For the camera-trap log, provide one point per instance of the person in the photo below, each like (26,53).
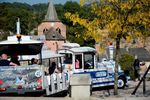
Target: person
(67,60)
(52,68)
(143,68)
(136,66)
(77,64)
(5,62)
(34,61)
(14,59)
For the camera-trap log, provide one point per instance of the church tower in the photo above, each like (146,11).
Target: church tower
(53,29)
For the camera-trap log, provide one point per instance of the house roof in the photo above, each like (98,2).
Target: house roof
(142,53)
(52,34)
(51,13)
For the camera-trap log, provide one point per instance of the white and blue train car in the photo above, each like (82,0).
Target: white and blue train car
(82,60)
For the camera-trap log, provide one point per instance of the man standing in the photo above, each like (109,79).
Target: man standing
(136,66)
(5,62)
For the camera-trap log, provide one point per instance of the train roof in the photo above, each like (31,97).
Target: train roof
(77,50)
(46,54)
(26,46)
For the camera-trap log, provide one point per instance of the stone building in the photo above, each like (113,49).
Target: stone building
(53,29)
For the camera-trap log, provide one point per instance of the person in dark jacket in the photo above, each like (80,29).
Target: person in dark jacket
(34,61)
(15,60)
(136,66)
(52,68)
(5,62)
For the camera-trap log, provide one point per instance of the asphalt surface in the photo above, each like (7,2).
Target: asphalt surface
(101,94)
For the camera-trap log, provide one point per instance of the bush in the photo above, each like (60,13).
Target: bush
(126,62)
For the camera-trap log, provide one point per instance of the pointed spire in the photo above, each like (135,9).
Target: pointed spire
(51,13)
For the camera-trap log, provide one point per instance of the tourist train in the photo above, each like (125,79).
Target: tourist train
(82,60)
(72,59)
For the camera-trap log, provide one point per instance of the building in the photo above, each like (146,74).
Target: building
(53,29)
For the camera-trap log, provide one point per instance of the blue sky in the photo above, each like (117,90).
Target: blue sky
(31,2)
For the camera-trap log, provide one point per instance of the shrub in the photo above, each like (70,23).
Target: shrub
(126,62)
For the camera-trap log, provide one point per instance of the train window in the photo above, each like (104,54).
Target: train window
(88,60)
(78,61)
(68,59)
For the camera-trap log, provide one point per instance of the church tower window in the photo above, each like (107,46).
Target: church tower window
(45,30)
(58,30)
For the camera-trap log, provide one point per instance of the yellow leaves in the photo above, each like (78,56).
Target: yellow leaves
(102,50)
(77,35)
(131,19)
(73,17)
(129,38)
(143,18)
(114,26)
(113,0)
(114,16)
(67,15)
(125,5)
(82,2)
(138,33)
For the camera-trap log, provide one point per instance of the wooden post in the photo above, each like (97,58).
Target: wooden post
(144,85)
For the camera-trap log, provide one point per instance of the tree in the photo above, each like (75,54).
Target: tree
(116,20)
(10,13)
(76,31)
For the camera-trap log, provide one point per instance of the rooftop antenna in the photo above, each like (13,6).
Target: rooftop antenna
(18,35)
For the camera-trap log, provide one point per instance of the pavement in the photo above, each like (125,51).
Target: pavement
(123,94)
(66,98)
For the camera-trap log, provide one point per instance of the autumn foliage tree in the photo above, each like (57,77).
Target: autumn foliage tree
(115,20)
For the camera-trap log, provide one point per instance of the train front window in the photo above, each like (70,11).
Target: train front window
(68,59)
(88,60)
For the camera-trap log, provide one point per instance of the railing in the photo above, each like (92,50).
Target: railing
(55,83)
(144,82)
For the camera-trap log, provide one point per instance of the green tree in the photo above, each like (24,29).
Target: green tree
(76,31)
(9,14)
(39,11)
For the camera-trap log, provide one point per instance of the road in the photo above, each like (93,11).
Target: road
(123,94)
